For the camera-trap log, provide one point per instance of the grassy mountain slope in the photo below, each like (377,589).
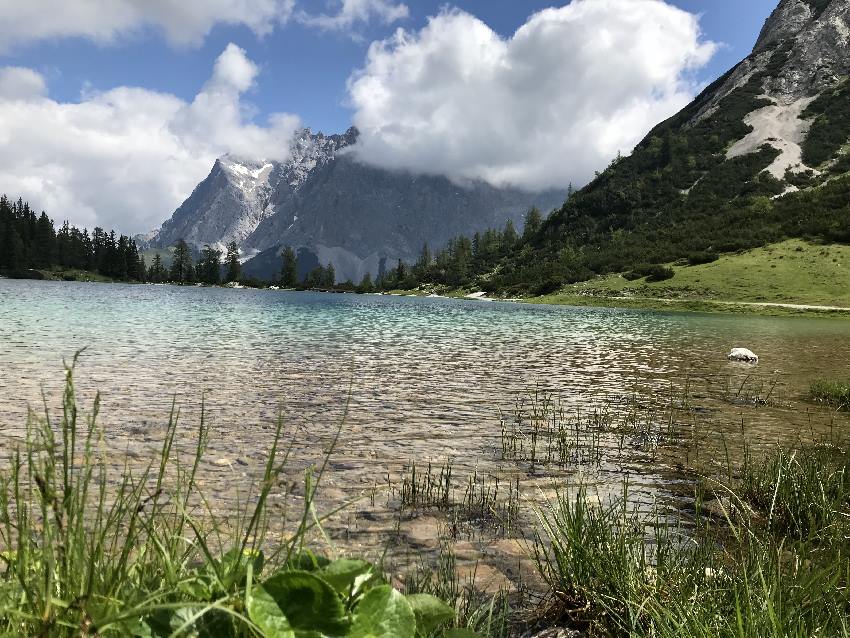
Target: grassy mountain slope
(680,192)
(789,272)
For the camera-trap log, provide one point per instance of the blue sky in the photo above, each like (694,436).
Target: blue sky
(304,70)
(111,112)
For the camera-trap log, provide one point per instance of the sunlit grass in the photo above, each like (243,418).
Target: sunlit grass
(89,551)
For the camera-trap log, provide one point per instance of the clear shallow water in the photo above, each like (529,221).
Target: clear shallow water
(426,377)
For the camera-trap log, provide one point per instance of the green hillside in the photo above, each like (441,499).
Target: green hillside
(678,194)
(793,272)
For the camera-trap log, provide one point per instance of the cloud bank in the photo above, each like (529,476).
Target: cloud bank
(543,108)
(183,22)
(127,157)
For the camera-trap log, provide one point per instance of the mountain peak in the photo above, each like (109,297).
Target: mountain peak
(786,21)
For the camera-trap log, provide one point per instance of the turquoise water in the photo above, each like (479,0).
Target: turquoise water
(423,378)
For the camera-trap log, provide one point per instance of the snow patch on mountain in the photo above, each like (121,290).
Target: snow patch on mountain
(238,194)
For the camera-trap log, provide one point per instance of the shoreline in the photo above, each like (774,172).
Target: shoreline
(658,304)
(713,306)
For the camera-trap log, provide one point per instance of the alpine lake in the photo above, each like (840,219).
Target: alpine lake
(453,419)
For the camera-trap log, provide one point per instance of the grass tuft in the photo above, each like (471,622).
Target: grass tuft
(778,564)
(85,551)
(833,393)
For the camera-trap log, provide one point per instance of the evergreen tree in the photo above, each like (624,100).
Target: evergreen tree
(233,266)
(533,222)
(509,237)
(157,273)
(289,268)
(330,276)
(45,242)
(181,264)
(366,284)
(141,270)
(209,266)
(315,278)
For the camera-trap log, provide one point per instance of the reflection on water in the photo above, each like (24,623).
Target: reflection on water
(423,379)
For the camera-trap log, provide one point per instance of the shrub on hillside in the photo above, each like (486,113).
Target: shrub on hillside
(660,273)
(652,272)
(702,257)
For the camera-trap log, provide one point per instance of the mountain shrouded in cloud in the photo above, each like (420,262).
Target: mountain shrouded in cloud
(545,107)
(122,157)
(549,105)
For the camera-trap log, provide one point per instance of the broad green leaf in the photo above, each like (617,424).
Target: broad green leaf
(384,613)
(297,604)
(461,633)
(233,566)
(346,575)
(430,612)
(164,622)
(307,561)
(199,589)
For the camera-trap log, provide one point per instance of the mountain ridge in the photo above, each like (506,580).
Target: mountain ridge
(356,217)
(760,155)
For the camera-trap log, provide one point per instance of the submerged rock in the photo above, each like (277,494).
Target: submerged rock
(742,354)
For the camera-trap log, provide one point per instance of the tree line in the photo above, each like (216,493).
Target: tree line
(30,242)
(455,265)
(207,269)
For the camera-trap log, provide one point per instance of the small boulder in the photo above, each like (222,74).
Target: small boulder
(744,355)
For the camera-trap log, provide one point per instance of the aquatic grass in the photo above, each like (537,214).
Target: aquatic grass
(832,393)
(803,493)
(543,430)
(87,551)
(489,615)
(490,503)
(746,570)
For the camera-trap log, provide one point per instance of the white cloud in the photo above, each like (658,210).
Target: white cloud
(18,83)
(125,158)
(353,11)
(184,22)
(550,105)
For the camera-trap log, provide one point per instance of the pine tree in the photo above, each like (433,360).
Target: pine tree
(181,264)
(233,267)
(533,221)
(209,266)
(509,237)
(141,270)
(45,242)
(289,268)
(330,276)
(366,284)
(157,273)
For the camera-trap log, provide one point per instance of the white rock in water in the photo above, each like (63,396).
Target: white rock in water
(742,354)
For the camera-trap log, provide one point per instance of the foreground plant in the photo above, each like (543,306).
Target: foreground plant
(833,393)
(774,561)
(86,552)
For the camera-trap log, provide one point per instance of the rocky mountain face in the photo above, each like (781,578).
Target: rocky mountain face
(802,52)
(240,193)
(760,155)
(334,210)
